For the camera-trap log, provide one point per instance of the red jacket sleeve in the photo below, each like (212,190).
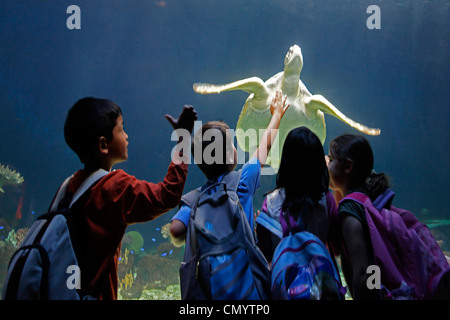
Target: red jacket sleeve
(138,200)
(151,200)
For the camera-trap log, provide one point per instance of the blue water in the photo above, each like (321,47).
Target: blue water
(145,55)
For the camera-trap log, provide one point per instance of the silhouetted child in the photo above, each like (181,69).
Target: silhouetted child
(227,263)
(249,180)
(350,163)
(94,130)
(301,189)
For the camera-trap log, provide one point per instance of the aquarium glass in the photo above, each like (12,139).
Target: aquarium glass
(384,64)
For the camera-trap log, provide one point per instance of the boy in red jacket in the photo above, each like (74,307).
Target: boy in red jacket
(94,130)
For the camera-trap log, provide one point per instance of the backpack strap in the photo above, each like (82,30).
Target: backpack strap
(230,180)
(87,183)
(60,194)
(384,200)
(190,198)
(356,196)
(288,224)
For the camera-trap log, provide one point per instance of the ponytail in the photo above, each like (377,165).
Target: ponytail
(376,184)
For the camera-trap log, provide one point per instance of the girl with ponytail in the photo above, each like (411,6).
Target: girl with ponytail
(350,164)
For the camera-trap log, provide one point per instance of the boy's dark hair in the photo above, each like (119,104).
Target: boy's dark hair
(221,131)
(87,121)
(358,149)
(303,173)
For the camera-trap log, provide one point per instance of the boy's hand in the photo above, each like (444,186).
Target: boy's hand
(185,119)
(278,104)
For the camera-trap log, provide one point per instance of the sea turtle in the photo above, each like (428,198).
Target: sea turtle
(305,108)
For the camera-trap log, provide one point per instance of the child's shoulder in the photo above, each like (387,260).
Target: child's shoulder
(115,180)
(352,208)
(252,162)
(251,168)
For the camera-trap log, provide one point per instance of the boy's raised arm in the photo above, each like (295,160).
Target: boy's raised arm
(277,108)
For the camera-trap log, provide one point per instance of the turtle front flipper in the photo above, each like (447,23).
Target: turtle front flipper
(251,85)
(318,102)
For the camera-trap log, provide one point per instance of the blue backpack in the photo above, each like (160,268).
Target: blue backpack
(302,267)
(45,266)
(221,259)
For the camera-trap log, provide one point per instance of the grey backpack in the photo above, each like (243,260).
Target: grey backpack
(45,265)
(221,259)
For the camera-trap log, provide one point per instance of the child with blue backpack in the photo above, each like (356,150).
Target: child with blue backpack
(94,130)
(411,264)
(301,182)
(246,186)
(301,199)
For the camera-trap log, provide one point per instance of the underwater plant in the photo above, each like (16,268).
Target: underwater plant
(7,248)
(165,231)
(9,177)
(127,281)
(126,274)
(133,241)
(172,292)
(156,272)
(150,273)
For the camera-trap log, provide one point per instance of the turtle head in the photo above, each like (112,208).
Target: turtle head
(293,62)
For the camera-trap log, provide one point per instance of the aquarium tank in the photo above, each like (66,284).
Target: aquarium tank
(383,64)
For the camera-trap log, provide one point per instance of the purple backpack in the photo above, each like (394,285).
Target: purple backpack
(404,248)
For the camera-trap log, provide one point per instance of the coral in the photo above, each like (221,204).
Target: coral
(165,231)
(128,288)
(155,272)
(126,274)
(6,252)
(127,281)
(172,292)
(20,235)
(148,277)
(14,238)
(167,249)
(126,263)
(133,241)
(7,249)
(150,273)
(9,177)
